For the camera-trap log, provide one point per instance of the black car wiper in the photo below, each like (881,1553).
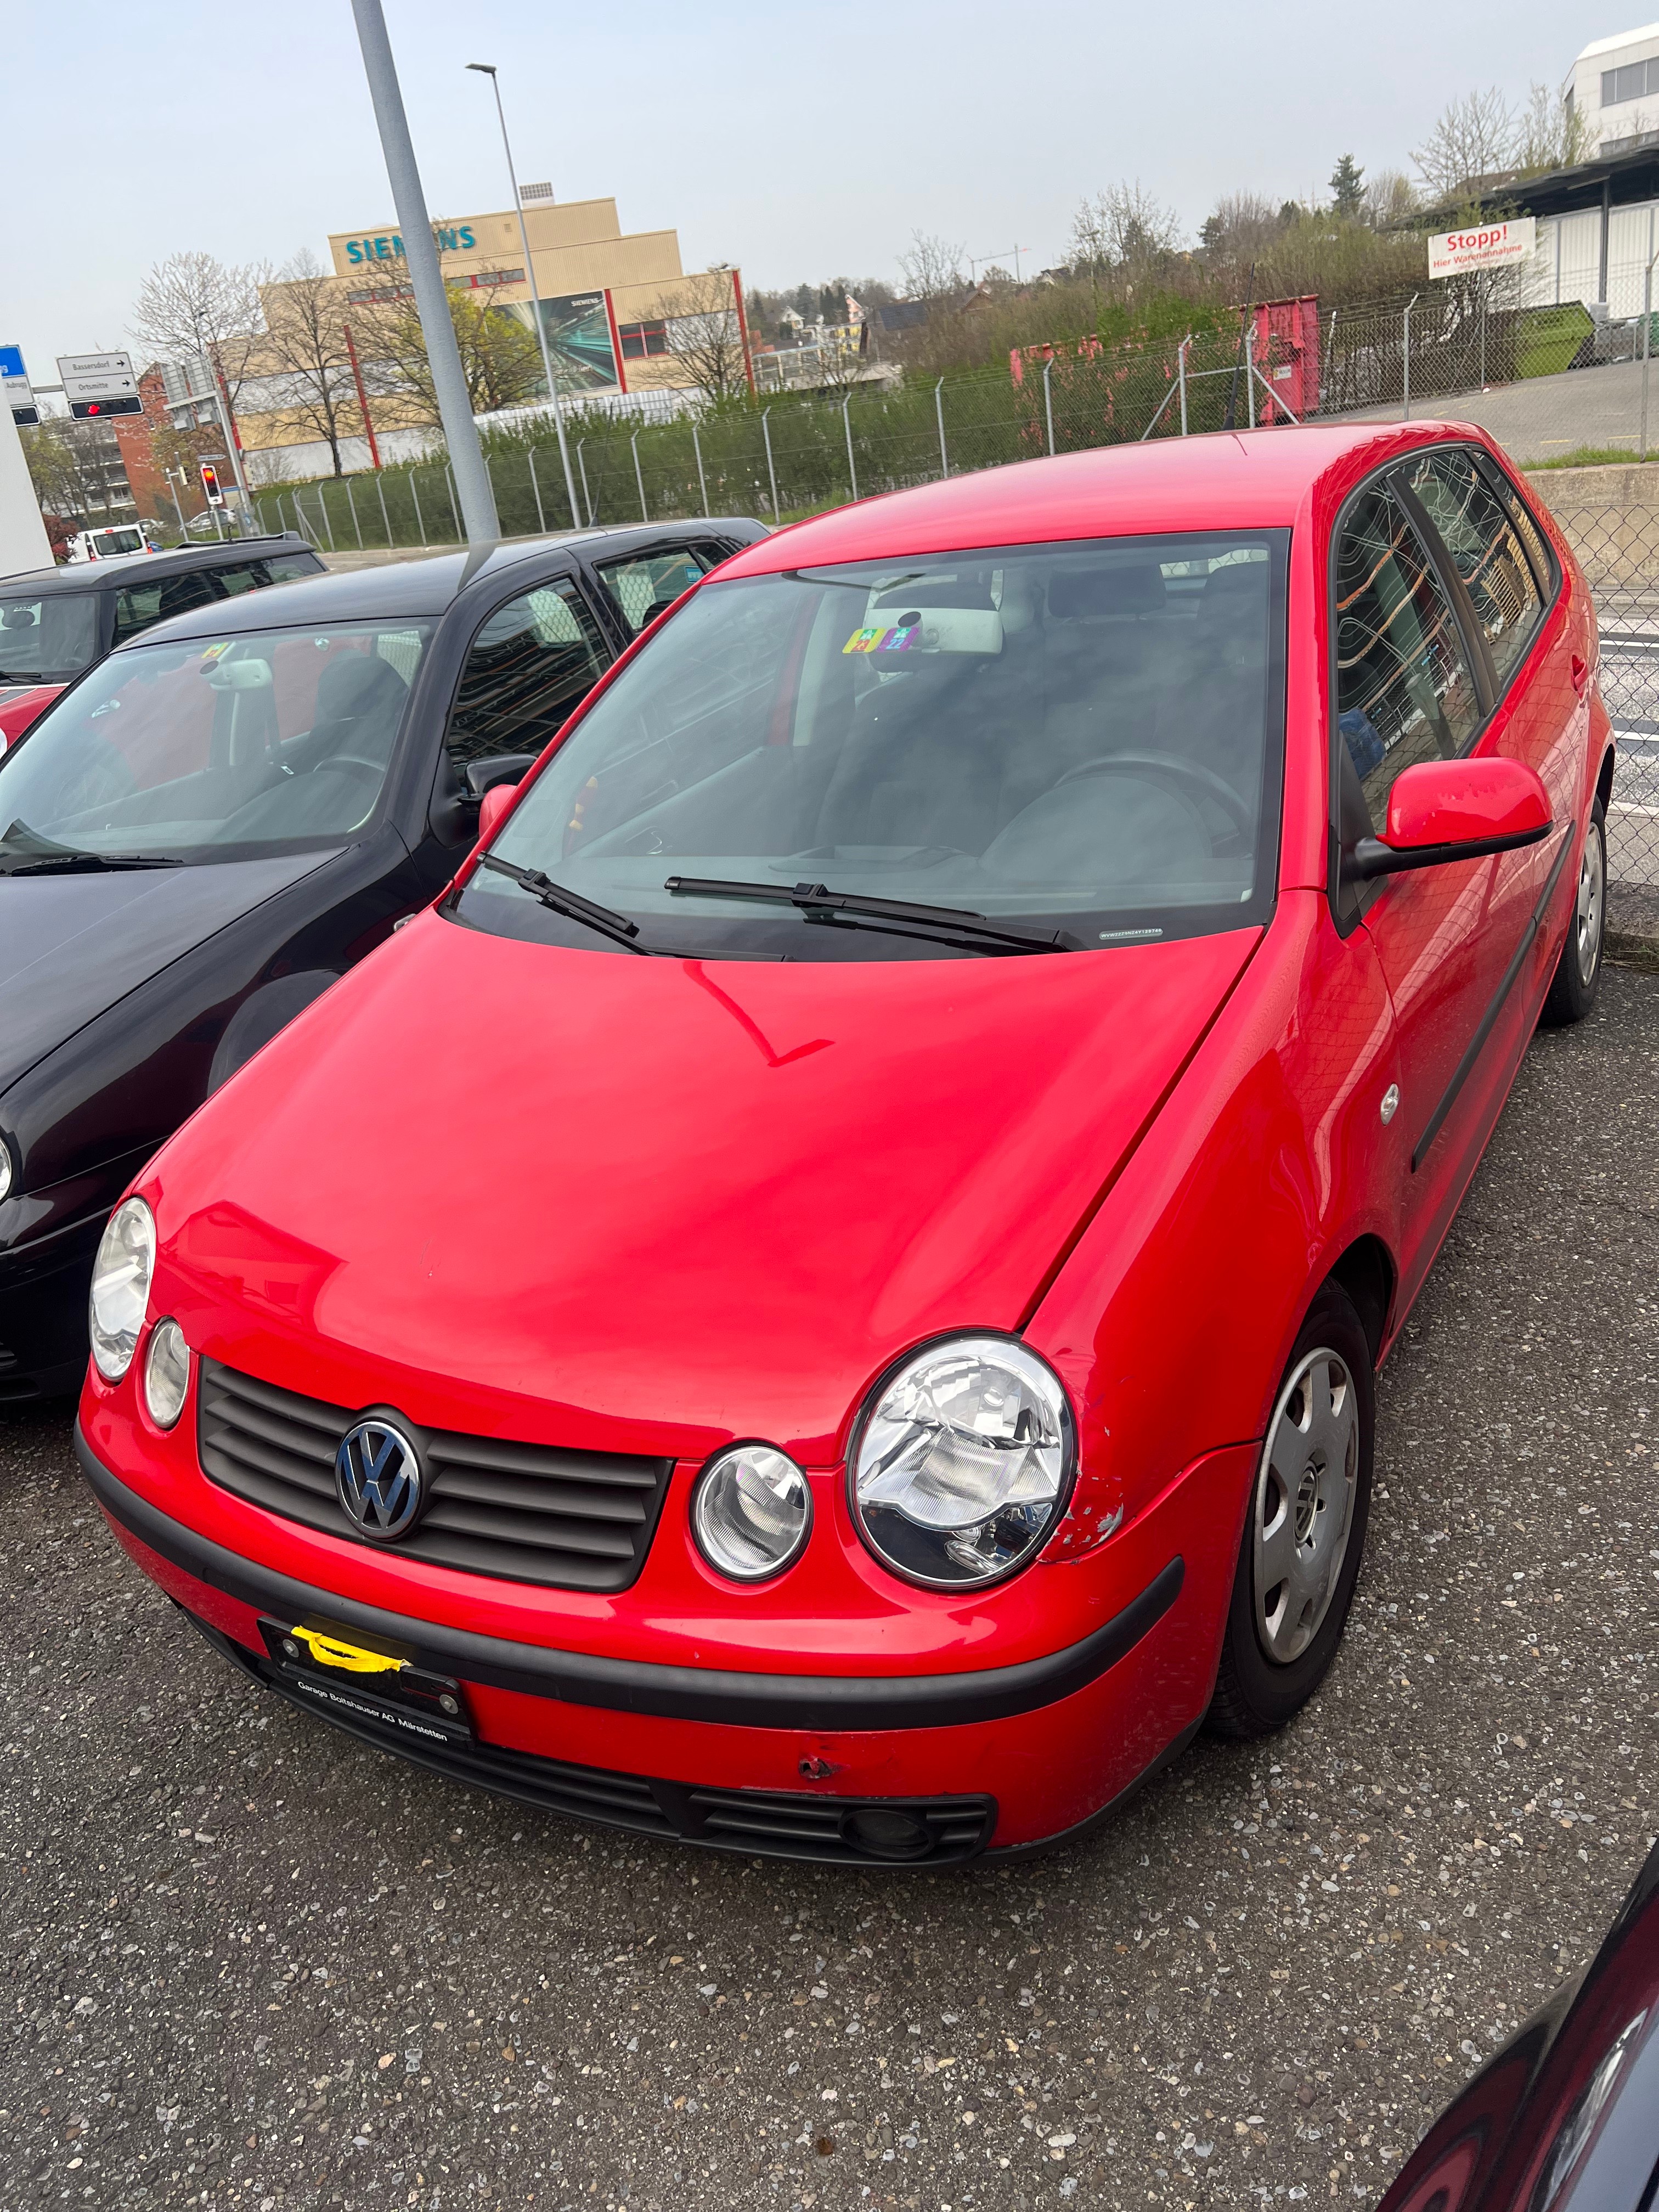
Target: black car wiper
(574,907)
(80,864)
(818,903)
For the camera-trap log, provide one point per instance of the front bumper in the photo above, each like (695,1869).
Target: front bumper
(1008,1757)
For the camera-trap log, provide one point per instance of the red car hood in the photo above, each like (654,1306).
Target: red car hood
(22,704)
(651,1205)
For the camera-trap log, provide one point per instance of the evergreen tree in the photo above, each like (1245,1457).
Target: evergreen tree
(1347,186)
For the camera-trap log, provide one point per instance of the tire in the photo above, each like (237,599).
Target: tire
(1282,1633)
(1577,976)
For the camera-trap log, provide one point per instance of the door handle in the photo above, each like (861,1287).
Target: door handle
(1580,671)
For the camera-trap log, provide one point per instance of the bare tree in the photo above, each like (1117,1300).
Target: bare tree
(192,308)
(1474,138)
(931,268)
(1549,134)
(705,334)
(1240,229)
(68,466)
(305,353)
(1124,227)
(1390,201)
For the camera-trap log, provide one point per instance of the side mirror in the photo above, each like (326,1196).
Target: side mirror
(499,768)
(493,804)
(1460,810)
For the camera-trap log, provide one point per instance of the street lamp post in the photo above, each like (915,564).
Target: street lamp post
(487,69)
(477,500)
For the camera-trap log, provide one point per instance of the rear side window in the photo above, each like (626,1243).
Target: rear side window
(645,586)
(138,605)
(48,639)
(284,568)
(1405,692)
(1485,550)
(532,663)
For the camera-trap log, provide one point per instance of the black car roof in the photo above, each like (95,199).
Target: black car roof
(429,586)
(90,575)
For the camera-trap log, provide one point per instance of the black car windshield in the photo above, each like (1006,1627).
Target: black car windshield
(250,739)
(1083,738)
(48,639)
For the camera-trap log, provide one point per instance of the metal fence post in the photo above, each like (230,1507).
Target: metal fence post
(380,486)
(322,509)
(352,503)
(420,522)
(771,472)
(540,520)
(1048,401)
(1249,374)
(939,409)
(702,481)
(639,477)
(587,496)
(846,425)
(449,478)
(1180,372)
(1406,362)
(1647,351)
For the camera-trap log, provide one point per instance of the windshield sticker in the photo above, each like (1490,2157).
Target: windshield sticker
(895,640)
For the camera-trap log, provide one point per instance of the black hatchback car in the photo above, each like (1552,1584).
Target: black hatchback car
(214,823)
(55,624)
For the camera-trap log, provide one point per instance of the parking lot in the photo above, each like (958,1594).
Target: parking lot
(253,1964)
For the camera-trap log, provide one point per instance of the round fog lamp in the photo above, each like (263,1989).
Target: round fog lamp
(167,1373)
(752,1512)
(120,1287)
(887,1832)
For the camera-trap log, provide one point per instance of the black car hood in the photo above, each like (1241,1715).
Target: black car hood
(71,945)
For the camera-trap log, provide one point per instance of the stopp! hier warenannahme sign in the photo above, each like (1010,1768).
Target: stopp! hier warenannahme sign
(1486,246)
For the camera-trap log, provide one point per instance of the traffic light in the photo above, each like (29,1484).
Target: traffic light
(211,485)
(86,410)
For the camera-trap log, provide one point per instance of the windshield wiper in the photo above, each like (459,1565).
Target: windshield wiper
(574,907)
(68,862)
(818,903)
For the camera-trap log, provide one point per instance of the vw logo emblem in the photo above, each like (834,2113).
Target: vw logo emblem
(378,1475)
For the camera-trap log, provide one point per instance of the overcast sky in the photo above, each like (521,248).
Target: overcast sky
(799,140)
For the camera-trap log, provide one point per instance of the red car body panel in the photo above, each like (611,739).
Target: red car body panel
(657,1205)
(21,707)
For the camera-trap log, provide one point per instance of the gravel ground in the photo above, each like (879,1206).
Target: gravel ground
(253,1964)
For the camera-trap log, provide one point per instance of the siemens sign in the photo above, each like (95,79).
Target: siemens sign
(458,239)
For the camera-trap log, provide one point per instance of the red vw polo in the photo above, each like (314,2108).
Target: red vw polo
(824,1299)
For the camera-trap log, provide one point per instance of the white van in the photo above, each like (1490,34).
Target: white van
(109,544)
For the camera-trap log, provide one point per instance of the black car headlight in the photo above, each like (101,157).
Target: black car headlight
(963,1462)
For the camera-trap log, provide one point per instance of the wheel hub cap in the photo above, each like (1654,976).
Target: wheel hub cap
(1303,1504)
(1592,885)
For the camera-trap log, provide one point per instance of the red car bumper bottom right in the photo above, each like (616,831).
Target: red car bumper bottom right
(1002,1759)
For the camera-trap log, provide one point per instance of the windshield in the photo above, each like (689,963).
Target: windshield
(252,740)
(123,539)
(48,640)
(1084,738)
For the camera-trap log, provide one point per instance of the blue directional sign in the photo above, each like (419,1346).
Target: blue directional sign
(11,360)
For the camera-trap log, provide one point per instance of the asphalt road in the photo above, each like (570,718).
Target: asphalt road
(251,1965)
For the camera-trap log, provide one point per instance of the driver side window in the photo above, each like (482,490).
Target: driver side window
(1405,692)
(531,663)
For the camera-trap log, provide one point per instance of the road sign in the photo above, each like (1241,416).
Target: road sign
(97,384)
(11,363)
(1485,245)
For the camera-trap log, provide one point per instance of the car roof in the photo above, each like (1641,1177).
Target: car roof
(403,589)
(1250,479)
(84,575)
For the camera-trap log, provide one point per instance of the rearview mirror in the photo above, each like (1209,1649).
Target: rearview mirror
(1457,809)
(493,804)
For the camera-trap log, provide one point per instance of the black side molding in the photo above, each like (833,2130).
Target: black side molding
(1488,1020)
(631,1686)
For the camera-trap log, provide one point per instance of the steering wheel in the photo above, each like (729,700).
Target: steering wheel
(1177,771)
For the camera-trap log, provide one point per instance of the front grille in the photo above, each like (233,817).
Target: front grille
(523,1513)
(757,1823)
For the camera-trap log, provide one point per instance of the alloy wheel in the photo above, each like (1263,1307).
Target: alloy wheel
(1304,1504)
(1591,906)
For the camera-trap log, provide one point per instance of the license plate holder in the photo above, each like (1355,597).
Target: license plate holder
(406,1702)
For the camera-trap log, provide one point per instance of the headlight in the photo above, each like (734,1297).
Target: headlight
(963,1462)
(121,1286)
(752,1512)
(5,1167)
(167,1373)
